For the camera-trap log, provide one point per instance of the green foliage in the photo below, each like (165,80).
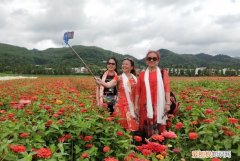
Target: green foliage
(20,60)
(77,119)
(213,103)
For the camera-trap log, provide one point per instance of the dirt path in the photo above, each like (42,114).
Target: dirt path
(15,77)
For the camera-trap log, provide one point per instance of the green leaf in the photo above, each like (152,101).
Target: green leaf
(52,148)
(235,139)
(27,158)
(55,126)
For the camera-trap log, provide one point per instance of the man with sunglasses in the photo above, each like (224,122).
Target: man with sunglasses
(152,96)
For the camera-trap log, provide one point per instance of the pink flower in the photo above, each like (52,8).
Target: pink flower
(110,159)
(176,150)
(156,137)
(169,134)
(24,102)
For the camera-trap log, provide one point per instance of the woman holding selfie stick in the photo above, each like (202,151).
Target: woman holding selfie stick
(108,95)
(126,84)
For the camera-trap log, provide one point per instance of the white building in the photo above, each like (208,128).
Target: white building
(80,70)
(201,69)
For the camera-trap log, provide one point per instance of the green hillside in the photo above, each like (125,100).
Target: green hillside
(10,55)
(15,59)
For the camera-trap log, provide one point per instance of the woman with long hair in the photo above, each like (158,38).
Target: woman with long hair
(108,95)
(126,84)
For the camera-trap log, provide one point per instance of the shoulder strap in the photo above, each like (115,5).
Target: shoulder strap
(162,70)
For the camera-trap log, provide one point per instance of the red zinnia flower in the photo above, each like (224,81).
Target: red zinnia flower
(137,138)
(110,118)
(61,139)
(208,111)
(44,153)
(24,135)
(10,115)
(119,133)
(88,138)
(156,137)
(2,111)
(229,133)
(207,120)
(48,123)
(131,155)
(88,145)
(169,124)
(146,152)
(68,136)
(188,108)
(194,122)
(55,115)
(83,110)
(17,148)
(179,125)
(59,122)
(84,155)
(110,159)
(106,149)
(81,104)
(193,135)
(215,159)
(233,120)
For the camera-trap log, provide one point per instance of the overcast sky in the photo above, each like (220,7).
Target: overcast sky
(125,26)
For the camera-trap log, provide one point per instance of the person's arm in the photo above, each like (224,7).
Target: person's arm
(138,90)
(112,83)
(136,105)
(168,102)
(166,81)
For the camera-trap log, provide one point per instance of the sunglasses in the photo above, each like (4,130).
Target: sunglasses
(152,58)
(111,63)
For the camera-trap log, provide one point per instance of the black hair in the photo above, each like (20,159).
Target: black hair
(133,71)
(113,58)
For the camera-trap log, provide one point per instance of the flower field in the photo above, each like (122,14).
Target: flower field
(56,119)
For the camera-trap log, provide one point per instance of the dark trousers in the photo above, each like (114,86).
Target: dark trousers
(110,108)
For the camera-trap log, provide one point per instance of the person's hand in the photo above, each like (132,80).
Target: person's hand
(98,81)
(167,107)
(136,110)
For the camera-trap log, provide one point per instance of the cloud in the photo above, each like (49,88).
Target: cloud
(128,27)
(229,20)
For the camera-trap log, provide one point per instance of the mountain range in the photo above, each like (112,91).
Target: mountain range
(19,57)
